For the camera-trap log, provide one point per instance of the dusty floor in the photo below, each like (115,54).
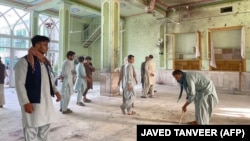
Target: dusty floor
(102,119)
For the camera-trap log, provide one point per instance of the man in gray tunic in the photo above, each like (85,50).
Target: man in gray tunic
(199,89)
(128,87)
(121,74)
(143,71)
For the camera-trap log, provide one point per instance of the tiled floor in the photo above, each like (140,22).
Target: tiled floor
(102,120)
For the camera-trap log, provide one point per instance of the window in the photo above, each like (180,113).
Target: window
(225,49)
(187,51)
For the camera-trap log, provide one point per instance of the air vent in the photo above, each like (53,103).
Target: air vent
(226,9)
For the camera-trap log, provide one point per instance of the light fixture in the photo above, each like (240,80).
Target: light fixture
(74,10)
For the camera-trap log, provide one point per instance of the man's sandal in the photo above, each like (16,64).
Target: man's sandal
(80,104)
(87,100)
(132,113)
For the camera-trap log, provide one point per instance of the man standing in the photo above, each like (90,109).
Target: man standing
(80,84)
(89,69)
(199,89)
(3,74)
(34,87)
(67,82)
(143,71)
(122,72)
(149,80)
(128,87)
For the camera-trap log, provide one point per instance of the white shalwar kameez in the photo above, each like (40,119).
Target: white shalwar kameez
(149,81)
(80,84)
(202,91)
(67,84)
(44,112)
(128,79)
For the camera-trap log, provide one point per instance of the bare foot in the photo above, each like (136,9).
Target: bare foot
(132,113)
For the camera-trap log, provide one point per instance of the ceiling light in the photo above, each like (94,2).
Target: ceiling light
(29,1)
(74,10)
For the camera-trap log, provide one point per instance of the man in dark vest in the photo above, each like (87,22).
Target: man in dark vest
(35,86)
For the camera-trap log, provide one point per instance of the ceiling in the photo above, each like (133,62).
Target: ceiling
(92,8)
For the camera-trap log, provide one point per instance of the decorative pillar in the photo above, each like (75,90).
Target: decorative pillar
(110,47)
(64,28)
(34,16)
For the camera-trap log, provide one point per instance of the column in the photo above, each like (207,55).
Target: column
(109,47)
(34,16)
(64,28)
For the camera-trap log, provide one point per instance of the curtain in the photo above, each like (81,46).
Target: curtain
(212,61)
(197,47)
(242,52)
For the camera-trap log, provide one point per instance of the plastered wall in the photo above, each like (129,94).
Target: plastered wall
(142,32)
(210,17)
(222,80)
(141,36)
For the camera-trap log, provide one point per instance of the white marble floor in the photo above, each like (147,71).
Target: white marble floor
(102,120)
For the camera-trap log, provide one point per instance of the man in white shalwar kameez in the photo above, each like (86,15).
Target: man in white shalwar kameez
(129,94)
(149,77)
(35,87)
(81,80)
(201,91)
(67,82)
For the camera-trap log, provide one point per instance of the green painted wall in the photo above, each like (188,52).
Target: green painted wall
(140,38)
(76,43)
(209,17)
(142,32)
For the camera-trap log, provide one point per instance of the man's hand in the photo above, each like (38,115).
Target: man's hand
(184,107)
(58,96)
(28,108)
(60,78)
(88,79)
(129,87)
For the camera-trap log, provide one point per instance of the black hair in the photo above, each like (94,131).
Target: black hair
(88,58)
(38,38)
(130,56)
(151,56)
(70,53)
(80,58)
(176,72)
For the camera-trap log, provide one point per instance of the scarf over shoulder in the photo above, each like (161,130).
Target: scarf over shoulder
(34,52)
